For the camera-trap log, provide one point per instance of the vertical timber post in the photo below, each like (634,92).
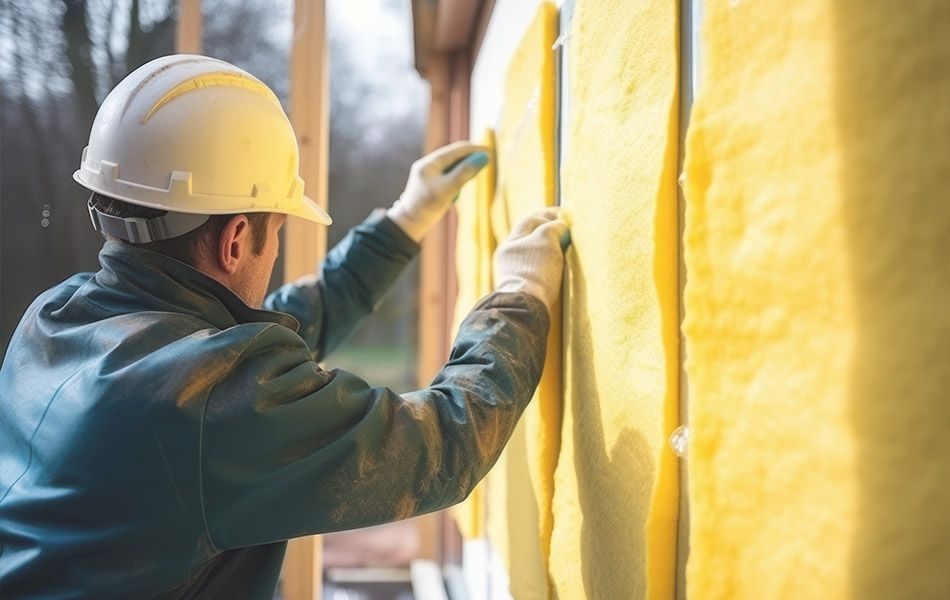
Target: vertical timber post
(304,242)
(458,129)
(433,259)
(188,27)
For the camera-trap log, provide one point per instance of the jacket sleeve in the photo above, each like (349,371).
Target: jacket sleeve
(353,278)
(289,449)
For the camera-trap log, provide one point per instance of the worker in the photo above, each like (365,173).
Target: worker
(165,428)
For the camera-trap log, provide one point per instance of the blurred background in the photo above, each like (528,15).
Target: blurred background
(59,59)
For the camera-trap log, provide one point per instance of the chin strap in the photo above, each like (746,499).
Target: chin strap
(143,231)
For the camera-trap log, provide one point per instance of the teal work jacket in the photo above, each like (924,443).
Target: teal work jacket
(161,439)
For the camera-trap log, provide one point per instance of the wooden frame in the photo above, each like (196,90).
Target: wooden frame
(448,75)
(434,259)
(304,242)
(188,27)
(446,35)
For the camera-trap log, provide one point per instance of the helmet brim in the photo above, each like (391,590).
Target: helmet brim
(307,209)
(311,211)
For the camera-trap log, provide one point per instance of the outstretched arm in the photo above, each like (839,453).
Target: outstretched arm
(353,278)
(359,270)
(291,450)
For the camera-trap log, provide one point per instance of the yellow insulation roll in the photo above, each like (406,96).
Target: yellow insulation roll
(817,321)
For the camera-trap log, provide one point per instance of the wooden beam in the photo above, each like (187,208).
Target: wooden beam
(423,32)
(304,242)
(433,258)
(459,91)
(448,121)
(454,22)
(443,27)
(448,76)
(302,577)
(188,27)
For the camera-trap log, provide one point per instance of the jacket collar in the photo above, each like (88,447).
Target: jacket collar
(140,279)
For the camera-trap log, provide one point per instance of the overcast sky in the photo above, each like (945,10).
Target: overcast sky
(379,34)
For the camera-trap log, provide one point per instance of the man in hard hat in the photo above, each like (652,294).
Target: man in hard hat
(162,435)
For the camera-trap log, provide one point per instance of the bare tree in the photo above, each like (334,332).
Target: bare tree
(51,82)
(58,60)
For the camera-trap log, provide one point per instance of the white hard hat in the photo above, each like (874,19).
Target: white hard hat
(195,135)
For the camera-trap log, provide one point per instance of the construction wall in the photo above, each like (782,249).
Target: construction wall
(814,320)
(817,249)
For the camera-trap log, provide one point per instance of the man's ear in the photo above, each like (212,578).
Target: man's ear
(234,243)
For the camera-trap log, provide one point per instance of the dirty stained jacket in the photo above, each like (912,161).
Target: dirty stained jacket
(161,439)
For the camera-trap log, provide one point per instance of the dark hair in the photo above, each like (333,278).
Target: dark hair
(184,247)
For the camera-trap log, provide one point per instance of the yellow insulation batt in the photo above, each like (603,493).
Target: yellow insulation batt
(616,482)
(818,301)
(520,487)
(474,247)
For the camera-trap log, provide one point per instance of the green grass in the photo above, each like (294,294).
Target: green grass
(380,364)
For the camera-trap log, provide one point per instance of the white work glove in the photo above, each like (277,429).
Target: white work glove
(531,260)
(434,182)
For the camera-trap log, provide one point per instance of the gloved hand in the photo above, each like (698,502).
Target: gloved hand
(434,182)
(531,260)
